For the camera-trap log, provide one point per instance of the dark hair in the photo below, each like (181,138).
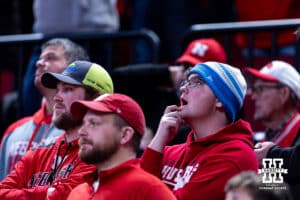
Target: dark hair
(136,139)
(72,51)
(294,99)
(90,93)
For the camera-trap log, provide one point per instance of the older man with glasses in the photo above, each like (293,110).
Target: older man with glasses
(275,90)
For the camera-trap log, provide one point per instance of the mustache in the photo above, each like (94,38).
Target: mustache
(59,105)
(84,141)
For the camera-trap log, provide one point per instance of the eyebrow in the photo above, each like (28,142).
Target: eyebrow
(195,77)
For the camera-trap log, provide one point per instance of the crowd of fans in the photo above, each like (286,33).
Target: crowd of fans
(178,129)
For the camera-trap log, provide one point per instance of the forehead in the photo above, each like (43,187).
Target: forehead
(260,82)
(63,85)
(193,75)
(53,49)
(93,114)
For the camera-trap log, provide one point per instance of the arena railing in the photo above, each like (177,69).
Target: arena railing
(250,28)
(120,47)
(226,34)
(86,39)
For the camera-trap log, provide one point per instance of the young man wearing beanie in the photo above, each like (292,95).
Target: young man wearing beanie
(141,81)
(276,92)
(219,145)
(51,172)
(109,137)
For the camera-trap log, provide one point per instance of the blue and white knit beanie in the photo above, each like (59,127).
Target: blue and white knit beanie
(226,82)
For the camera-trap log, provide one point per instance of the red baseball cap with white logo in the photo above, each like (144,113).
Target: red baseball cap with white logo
(120,104)
(279,71)
(203,50)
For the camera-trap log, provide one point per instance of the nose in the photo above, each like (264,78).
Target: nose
(40,63)
(183,88)
(81,131)
(57,97)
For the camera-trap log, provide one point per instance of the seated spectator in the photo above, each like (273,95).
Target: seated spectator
(37,130)
(51,172)
(220,144)
(249,186)
(80,16)
(276,91)
(109,138)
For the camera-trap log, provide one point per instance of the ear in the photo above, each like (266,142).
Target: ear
(219,104)
(126,134)
(285,94)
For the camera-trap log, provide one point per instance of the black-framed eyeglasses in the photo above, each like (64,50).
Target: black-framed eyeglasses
(192,82)
(258,89)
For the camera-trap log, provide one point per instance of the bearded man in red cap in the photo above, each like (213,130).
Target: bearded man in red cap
(112,127)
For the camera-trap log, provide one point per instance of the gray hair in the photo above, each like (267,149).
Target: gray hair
(72,51)
(252,183)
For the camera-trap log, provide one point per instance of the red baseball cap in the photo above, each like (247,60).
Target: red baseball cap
(203,50)
(256,73)
(120,104)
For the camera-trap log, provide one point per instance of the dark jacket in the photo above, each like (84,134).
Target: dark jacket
(291,162)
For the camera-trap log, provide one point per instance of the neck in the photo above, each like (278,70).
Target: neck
(208,126)
(115,160)
(279,119)
(72,134)
(49,102)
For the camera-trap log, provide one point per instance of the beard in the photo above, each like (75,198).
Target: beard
(98,154)
(66,122)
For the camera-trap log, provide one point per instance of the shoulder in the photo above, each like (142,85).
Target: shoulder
(17,124)
(236,152)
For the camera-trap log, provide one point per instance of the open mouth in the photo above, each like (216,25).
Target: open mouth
(183,102)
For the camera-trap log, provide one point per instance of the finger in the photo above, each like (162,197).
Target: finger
(258,146)
(171,119)
(172,114)
(171,108)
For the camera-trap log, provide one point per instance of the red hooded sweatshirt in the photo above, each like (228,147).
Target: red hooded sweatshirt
(200,169)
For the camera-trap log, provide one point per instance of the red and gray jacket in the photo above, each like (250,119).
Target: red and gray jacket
(26,134)
(289,135)
(57,168)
